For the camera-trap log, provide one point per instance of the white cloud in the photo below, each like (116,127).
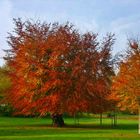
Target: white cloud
(5,25)
(85,26)
(125,23)
(124,28)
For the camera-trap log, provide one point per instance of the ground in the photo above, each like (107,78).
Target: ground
(88,129)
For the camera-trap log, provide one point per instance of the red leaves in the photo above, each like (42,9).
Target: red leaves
(55,69)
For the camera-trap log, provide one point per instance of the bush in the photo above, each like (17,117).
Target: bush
(5,110)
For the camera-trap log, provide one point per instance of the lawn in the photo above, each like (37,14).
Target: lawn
(88,129)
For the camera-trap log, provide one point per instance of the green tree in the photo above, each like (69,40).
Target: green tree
(4,81)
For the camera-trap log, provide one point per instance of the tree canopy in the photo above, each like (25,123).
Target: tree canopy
(126,85)
(4,81)
(56,69)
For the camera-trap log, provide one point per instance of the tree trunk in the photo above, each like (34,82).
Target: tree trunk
(139,120)
(57,120)
(115,119)
(101,119)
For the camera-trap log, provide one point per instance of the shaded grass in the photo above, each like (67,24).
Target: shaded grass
(88,129)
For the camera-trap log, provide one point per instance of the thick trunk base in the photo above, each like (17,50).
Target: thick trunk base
(57,120)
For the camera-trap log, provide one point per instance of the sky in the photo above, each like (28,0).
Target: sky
(121,17)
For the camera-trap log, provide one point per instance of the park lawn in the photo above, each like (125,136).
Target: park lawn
(88,129)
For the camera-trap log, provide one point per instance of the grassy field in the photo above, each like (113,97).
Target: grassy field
(88,129)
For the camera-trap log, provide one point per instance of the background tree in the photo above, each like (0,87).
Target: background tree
(4,81)
(126,85)
(55,69)
(4,87)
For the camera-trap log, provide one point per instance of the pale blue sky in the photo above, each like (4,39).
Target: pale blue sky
(121,17)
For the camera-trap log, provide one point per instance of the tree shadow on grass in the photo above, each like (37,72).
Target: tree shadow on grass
(127,126)
(83,126)
(105,126)
(92,126)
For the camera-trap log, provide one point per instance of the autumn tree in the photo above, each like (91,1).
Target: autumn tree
(4,87)
(4,81)
(55,69)
(126,85)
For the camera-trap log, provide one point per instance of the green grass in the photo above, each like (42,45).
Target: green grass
(88,129)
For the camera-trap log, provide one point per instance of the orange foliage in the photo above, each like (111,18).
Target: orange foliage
(126,86)
(55,69)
